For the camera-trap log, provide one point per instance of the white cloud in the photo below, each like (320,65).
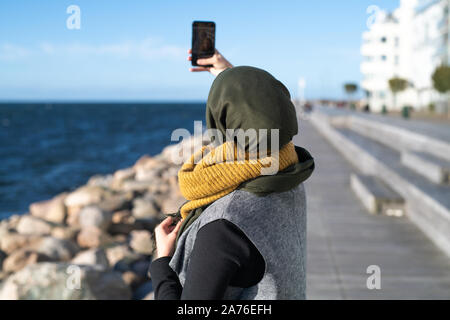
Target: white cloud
(147,49)
(9,52)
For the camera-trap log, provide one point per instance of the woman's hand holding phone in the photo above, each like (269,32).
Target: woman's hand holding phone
(218,62)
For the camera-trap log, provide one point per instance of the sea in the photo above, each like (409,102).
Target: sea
(49,148)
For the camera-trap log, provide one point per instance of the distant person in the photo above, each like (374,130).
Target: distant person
(242,234)
(366,108)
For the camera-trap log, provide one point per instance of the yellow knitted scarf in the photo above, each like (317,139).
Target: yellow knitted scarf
(212,173)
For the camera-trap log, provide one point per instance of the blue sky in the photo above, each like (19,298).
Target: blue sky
(136,50)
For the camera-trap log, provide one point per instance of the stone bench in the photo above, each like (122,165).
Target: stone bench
(376,197)
(434,169)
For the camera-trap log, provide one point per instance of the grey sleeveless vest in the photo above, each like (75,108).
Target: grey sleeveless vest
(276,224)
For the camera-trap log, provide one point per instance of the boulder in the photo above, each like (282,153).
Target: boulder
(147,175)
(21,258)
(145,208)
(172,203)
(73,216)
(121,257)
(141,241)
(52,210)
(86,195)
(33,226)
(115,203)
(95,257)
(93,216)
(56,249)
(66,233)
(10,223)
(124,174)
(63,281)
(12,241)
(146,163)
(123,216)
(136,186)
(93,237)
(3,255)
(101,181)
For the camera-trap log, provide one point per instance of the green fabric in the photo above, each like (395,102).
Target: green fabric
(250,98)
(246,98)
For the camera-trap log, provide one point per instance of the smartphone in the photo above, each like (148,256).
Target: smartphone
(203,40)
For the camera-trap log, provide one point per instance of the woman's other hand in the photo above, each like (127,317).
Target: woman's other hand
(165,236)
(218,62)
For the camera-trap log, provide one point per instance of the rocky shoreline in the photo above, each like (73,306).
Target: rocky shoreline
(95,242)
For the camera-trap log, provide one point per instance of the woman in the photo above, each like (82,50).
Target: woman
(242,234)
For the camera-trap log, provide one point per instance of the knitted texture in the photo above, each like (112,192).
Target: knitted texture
(212,173)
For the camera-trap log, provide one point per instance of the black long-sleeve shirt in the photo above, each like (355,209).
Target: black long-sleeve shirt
(222,256)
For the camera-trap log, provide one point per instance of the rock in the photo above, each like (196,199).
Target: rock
(101,181)
(3,275)
(56,249)
(141,241)
(132,279)
(11,222)
(115,203)
(21,258)
(123,216)
(33,226)
(62,281)
(121,256)
(147,175)
(144,208)
(92,257)
(172,204)
(66,233)
(124,174)
(52,210)
(3,255)
(146,163)
(143,290)
(73,216)
(93,237)
(12,241)
(92,216)
(175,153)
(85,196)
(136,186)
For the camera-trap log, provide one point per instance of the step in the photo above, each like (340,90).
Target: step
(377,197)
(434,169)
(427,204)
(397,133)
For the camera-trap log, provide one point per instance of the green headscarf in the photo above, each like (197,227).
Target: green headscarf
(251,98)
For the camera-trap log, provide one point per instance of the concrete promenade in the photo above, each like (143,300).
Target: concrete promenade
(344,239)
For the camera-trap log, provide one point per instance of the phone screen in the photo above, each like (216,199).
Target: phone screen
(203,40)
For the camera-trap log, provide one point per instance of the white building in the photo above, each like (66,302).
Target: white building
(408,43)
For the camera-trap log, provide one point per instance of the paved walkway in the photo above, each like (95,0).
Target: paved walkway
(344,239)
(433,129)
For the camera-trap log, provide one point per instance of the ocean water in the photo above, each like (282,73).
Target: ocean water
(46,149)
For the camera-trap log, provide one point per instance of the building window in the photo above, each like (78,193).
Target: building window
(382,94)
(383,58)
(397,60)
(397,41)
(383,39)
